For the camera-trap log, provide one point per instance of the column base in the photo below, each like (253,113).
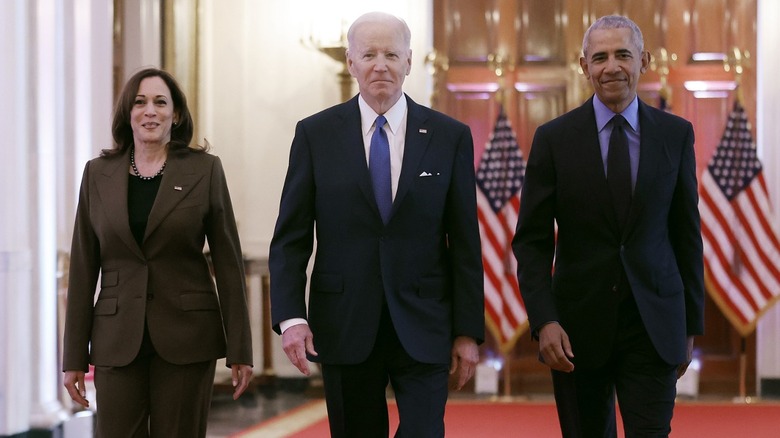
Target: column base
(79,425)
(54,432)
(770,388)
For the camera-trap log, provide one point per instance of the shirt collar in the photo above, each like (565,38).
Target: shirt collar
(604,114)
(395,115)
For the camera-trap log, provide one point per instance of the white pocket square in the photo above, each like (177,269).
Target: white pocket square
(425,174)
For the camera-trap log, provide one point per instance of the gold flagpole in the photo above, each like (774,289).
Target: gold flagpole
(742,369)
(507,377)
(743,397)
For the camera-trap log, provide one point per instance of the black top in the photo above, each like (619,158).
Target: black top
(140,198)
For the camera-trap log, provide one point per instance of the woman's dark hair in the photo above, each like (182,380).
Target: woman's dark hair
(122,131)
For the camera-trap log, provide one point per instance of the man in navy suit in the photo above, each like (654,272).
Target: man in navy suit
(625,297)
(396,290)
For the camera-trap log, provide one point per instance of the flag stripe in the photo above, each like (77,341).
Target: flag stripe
(499,178)
(716,262)
(765,237)
(497,298)
(719,237)
(751,262)
(741,249)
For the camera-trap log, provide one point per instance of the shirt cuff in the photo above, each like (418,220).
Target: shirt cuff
(287,323)
(535,333)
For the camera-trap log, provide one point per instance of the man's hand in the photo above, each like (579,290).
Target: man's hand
(683,367)
(296,342)
(555,348)
(242,375)
(465,356)
(74,383)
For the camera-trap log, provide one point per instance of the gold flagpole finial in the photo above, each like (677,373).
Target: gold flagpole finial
(500,64)
(661,63)
(737,60)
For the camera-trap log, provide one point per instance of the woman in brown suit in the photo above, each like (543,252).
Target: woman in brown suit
(159,323)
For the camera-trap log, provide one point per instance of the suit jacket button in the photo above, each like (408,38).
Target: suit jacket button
(150,297)
(614,288)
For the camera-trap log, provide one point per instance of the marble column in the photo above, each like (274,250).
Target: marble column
(767,64)
(55,80)
(16,252)
(46,122)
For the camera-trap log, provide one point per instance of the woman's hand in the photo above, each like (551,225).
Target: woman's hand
(242,375)
(74,383)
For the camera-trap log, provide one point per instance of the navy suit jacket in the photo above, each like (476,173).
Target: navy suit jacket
(425,263)
(660,249)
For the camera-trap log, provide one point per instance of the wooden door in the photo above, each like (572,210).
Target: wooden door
(524,55)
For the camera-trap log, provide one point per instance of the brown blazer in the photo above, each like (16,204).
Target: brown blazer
(164,282)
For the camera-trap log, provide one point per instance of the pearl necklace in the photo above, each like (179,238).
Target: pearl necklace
(138,174)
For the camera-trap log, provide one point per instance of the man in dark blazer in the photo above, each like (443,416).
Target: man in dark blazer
(625,297)
(398,297)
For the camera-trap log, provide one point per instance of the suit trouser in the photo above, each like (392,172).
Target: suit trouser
(153,398)
(644,383)
(355,394)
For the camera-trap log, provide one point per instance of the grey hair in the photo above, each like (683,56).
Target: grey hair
(614,22)
(380,18)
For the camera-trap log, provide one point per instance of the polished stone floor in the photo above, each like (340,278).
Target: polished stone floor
(228,416)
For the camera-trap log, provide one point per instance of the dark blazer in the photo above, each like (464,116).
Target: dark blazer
(660,249)
(425,263)
(164,282)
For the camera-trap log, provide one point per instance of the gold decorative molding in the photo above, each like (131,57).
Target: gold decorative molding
(737,60)
(500,65)
(181,49)
(661,62)
(437,65)
(118,48)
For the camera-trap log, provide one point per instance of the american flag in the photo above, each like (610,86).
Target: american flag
(741,249)
(499,179)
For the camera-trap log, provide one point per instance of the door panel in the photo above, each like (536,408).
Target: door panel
(475,105)
(541,32)
(470,29)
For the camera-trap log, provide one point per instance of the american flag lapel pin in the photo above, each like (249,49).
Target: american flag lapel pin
(177,188)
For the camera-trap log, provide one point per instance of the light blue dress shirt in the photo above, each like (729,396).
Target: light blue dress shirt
(603,117)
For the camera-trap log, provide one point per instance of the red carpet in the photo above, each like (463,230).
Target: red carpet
(470,419)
